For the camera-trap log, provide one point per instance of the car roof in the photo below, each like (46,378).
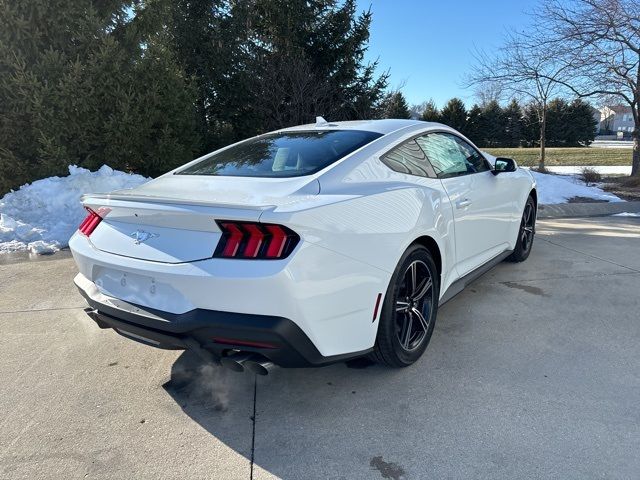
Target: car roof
(379,126)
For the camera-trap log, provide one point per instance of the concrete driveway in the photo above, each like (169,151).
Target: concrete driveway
(532,372)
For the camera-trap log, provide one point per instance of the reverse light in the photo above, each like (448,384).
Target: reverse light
(92,220)
(251,240)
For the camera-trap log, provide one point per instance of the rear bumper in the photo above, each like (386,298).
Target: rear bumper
(208,332)
(328,296)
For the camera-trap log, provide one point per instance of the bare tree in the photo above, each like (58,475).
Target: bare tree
(521,69)
(598,41)
(289,92)
(416,109)
(488,92)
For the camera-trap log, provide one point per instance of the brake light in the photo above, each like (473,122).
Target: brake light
(278,241)
(92,220)
(234,238)
(250,240)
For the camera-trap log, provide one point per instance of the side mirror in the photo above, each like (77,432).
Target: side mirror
(504,165)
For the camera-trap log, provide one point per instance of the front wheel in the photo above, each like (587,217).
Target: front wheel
(409,311)
(525,233)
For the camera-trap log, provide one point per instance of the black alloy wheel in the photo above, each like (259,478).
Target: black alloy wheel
(414,301)
(409,311)
(525,234)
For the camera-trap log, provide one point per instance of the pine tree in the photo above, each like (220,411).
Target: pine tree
(531,125)
(145,86)
(454,114)
(211,41)
(557,119)
(493,124)
(513,124)
(308,60)
(395,106)
(111,96)
(474,128)
(430,113)
(581,126)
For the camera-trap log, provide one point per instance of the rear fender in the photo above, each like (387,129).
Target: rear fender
(376,228)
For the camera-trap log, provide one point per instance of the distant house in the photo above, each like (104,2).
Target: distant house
(615,119)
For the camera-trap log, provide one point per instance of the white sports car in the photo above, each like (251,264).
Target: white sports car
(304,246)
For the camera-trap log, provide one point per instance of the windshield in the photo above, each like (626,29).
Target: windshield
(285,154)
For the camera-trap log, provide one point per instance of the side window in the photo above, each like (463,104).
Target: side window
(408,158)
(451,156)
(474,158)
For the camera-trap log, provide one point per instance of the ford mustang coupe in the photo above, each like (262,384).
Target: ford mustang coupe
(304,246)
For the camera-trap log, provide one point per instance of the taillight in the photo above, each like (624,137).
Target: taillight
(92,220)
(250,240)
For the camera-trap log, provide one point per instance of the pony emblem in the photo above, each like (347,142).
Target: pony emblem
(140,236)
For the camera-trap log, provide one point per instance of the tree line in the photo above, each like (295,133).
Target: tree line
(585,48)
(568,123)
(145,86)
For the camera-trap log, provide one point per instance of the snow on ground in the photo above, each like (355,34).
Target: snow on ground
(626,214)
(41,216)
(560,188)
(601,169)
(612,144)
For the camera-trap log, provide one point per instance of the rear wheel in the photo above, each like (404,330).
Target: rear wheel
(525,233)
(409,311)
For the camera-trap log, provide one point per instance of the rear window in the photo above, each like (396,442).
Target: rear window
(286,154)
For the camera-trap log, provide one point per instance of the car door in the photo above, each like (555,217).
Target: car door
(482,212)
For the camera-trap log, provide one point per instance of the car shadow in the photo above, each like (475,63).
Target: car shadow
(348,420)
(313,402)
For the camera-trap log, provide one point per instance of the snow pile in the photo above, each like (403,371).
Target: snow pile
(560,188)
(41,216)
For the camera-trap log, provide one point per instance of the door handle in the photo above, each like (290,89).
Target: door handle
(463,203)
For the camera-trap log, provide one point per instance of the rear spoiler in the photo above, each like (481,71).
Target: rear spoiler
(106,199)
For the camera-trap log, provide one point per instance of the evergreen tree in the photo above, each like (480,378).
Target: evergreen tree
(493,124)
(211,40)
(531,125)
(568,124)
(581,127)
(395,106)
(454,114)
(513,125)
(83,83)
(475,126)
(558,118)
(308,60)
(430,113)
(145,86)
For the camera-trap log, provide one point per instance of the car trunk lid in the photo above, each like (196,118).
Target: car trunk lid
(174,221)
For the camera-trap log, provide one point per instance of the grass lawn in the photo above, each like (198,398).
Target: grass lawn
(528,157)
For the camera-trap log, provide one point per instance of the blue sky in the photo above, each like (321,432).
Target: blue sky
(428,44)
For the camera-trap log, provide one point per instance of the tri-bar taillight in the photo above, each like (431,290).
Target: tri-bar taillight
(92,220)
(251,240)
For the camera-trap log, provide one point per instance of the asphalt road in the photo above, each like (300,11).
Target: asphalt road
(532,372)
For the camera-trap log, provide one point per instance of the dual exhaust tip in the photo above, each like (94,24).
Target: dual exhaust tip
(241,361)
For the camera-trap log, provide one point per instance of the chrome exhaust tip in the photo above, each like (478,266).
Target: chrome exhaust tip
(259,367)
(236,361)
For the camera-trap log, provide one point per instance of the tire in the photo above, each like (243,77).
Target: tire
(399,341)
(526,232)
